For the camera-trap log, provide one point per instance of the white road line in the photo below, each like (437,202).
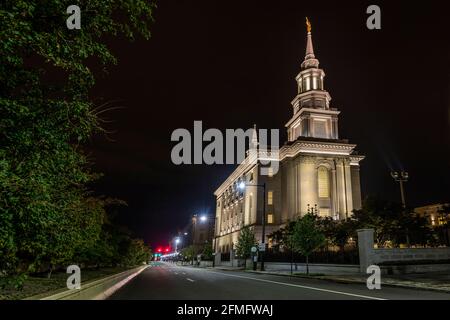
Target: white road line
(188,279)
(184,272)
(303,287)
(176,272)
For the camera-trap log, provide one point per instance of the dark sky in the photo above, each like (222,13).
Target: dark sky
(233,63)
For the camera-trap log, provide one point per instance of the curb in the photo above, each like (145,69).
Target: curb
(99,289)
(353,281)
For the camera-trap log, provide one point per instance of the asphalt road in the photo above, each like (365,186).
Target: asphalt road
(165,281)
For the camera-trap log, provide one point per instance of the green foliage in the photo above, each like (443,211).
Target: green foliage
(392,223)
(136,253)
(245,243)
(188,253)
(306,236)
(207,252)
(47,213)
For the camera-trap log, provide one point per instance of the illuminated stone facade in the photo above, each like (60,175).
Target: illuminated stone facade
(318,171)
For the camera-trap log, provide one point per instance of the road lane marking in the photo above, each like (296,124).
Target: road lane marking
(176,272)
(303,287)
(184,272)
(188,279)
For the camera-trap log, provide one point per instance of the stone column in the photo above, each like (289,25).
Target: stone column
(217,259)
(365,247)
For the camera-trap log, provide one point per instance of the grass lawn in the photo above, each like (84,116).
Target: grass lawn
(39,284)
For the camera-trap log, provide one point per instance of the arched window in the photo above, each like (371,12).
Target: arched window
(323,182)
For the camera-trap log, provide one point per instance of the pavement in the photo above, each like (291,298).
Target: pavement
(436,281)
(166,281)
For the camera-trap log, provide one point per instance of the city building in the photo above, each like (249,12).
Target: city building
(434,213)
(318,171)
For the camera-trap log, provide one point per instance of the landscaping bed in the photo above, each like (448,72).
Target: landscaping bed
(34,285)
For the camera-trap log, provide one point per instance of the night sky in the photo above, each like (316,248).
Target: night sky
(233,63)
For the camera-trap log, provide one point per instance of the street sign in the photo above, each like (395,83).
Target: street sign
(262,246)
(254,249)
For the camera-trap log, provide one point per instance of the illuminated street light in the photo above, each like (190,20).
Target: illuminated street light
(400,178)
(203,218)
(241,185)
(177,241)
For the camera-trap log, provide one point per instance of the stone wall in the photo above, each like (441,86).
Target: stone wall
(368,255)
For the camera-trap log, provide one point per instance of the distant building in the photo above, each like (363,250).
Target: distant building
(318,171)
(433,214)
(199,232)
(202,230)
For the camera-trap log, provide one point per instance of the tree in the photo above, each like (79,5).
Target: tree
(392,223)
(245,243)
(306,236)
(208,251)
(47,212)
(188,253)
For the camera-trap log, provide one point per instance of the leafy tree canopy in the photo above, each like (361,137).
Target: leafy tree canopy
(46,211)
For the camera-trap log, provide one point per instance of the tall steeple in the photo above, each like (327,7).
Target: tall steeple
(312,115)
(310,60)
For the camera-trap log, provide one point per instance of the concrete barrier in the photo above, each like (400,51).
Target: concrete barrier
(94,290)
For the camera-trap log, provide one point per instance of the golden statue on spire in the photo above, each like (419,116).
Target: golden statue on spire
(308,25)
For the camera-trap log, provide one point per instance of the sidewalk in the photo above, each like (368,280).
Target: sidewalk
(436,281)
(427,281)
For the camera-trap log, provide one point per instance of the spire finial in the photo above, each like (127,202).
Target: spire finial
(308,25)
(310,59)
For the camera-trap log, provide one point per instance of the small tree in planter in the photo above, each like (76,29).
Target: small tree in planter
(306,236)
(245,243)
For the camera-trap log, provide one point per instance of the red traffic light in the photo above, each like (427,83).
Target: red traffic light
(159,250)
(167,249)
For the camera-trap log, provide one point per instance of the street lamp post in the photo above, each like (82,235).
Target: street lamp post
(242,185)
(400,178)
(203,218)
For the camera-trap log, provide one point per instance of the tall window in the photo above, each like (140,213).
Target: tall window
(323,182)
(270,197)
(270,218)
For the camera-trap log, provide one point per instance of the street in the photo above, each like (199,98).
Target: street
(165,281)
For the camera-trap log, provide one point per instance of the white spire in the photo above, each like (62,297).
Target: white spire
(310,60)
(254,138)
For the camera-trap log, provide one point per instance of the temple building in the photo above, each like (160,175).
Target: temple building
(318,171)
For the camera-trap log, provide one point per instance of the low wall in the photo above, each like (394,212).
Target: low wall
(95,290)
(410,254)
(206,264)
(313,268)
(415,268)
(368,255)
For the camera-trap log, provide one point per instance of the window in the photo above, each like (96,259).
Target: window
(324,212)
(323,182)
(270,172)
(270,218)
(320,129)
(270,197)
